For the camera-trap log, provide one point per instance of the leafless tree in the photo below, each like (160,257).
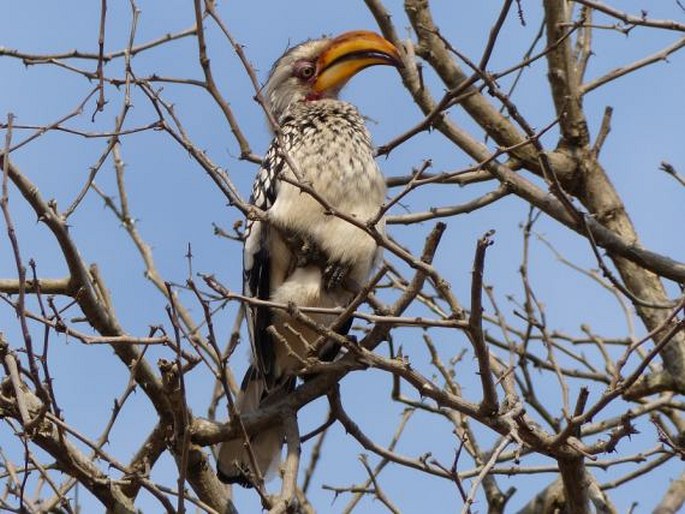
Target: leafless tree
(586,412)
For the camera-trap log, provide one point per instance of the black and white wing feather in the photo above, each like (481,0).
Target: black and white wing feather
(257,262)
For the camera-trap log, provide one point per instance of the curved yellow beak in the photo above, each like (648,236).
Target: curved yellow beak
(350,53)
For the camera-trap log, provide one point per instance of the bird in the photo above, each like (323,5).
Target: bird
(320,162)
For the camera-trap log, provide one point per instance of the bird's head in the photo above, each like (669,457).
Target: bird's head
(320,68)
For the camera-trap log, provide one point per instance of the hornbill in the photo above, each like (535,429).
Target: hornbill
(320,163)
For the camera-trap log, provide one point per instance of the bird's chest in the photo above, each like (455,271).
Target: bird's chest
(337,162)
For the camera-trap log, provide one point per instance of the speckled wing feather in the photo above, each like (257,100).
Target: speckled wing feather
(257,261)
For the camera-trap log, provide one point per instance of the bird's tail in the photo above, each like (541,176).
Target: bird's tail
(234,465)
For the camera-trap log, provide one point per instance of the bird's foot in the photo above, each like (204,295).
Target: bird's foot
(306,251)
(241,475)
(334,274)
(309,254)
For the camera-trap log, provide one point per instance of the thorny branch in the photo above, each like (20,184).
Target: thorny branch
(441,362)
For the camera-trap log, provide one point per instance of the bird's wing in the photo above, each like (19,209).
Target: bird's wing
(257,261)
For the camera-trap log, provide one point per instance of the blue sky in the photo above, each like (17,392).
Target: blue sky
(176,204)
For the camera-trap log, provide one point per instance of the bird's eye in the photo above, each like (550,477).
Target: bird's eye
(305,70)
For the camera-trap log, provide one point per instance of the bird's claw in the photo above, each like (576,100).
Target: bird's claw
(307,253)
(334,274)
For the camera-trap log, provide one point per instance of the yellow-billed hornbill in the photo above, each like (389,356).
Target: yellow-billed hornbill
(301,253)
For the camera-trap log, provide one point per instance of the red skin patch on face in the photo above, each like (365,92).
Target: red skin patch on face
(313,97)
